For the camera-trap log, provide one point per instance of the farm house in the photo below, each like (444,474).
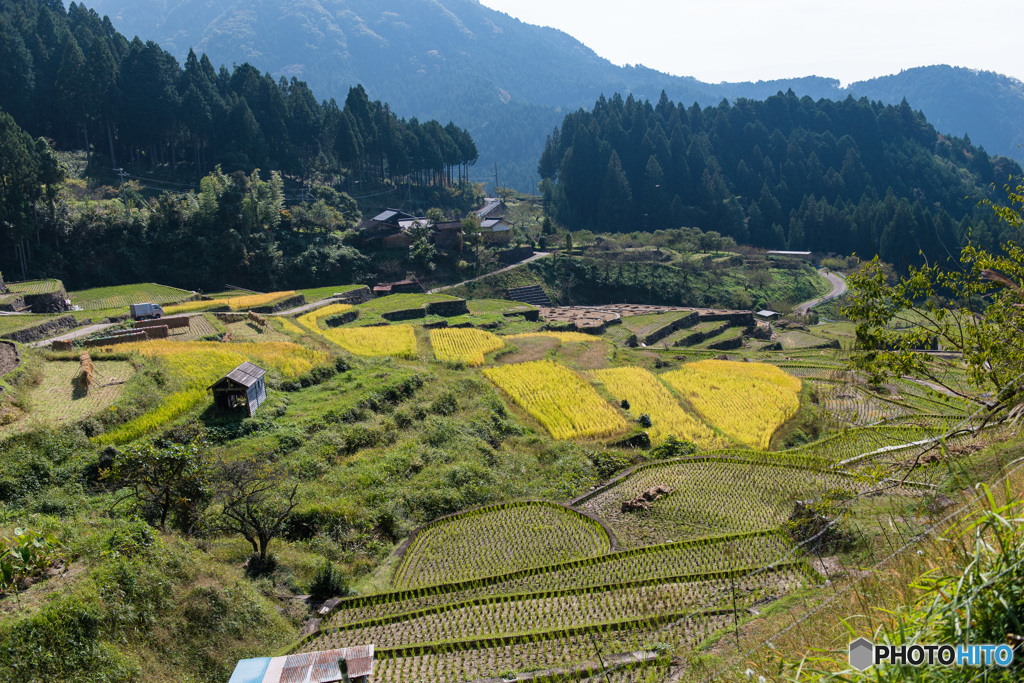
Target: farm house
(243,387)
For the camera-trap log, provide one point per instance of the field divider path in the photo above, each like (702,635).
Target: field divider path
(75,334)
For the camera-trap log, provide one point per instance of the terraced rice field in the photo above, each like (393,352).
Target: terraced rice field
(311,320)
(552,616)
(646,395)
(496,540)
(464,345)
(35,286)
(58,399)
(249,301)
(386,340)
(746,401)
(712,495)
(558,398)
(564,337)
(119,297)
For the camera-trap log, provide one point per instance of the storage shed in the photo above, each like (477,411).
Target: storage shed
(243,387)
(307,667)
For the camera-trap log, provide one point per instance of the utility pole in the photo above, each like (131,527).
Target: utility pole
(495,178)
(121,172)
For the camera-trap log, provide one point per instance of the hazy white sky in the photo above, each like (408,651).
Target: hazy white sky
(739,40)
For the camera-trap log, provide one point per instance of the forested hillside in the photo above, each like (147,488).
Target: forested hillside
(72,77)
(508,82)
(789,172)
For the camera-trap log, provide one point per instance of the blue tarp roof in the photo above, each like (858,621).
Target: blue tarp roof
(250,670)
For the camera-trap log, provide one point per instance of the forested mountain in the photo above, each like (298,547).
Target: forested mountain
(504,80)
(72,77)
(788,172)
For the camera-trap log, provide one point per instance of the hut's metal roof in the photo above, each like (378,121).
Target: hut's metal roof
(245,374)
(306,667)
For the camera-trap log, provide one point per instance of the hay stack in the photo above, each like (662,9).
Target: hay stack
(257,318)
(86,372)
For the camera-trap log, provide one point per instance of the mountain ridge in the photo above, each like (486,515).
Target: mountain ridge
(509,82)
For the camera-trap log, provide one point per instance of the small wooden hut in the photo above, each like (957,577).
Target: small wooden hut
(243,387)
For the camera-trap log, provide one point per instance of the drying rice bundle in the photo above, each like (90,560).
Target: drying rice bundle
(86,372)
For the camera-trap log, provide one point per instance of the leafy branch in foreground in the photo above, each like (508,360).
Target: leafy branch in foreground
(975,311)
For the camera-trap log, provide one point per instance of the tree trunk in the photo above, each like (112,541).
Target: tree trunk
(110,140)
(88,149)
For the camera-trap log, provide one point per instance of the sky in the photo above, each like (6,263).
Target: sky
(750,40)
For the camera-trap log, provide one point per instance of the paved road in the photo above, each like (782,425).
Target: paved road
(74,334)
(838,289)
(537,255)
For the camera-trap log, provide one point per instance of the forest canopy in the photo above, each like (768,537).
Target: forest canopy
(847,177)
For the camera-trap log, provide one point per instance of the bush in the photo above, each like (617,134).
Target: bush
(257,566)
(328,583)
(644,421)
(446,404)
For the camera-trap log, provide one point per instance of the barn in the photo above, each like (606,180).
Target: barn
(243,387)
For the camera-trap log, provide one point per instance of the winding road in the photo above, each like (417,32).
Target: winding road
(838,283)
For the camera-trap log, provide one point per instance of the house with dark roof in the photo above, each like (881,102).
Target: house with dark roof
(242,388)
(447,236)
(390,229)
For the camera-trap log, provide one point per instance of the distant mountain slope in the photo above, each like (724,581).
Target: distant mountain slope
(502,79)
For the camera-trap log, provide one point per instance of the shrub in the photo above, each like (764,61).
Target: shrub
(328,583)
(644,421)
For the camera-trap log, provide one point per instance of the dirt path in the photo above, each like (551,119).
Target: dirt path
(838,283)
(80,332)
(537,255)
(307,307)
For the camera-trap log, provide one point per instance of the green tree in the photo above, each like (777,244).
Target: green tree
(162,483)
(254,501)
(976,310)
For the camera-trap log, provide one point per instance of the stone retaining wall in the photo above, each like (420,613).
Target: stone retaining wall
(356,296)
(688,320)
(14,303)
(727,344)
(405,314)
(42,330)
(698,336)
(136,336)
(738,318)
(50,302)
(515,255)
(341,318)
(282,305)
(447,309)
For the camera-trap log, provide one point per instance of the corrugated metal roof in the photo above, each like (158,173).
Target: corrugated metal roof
(246,374)
(490,203)
(305,667)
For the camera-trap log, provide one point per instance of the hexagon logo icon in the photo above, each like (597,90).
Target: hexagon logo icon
(861,654)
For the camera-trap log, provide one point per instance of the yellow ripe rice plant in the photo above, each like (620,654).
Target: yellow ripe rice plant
(312,319)
(237,303)
(558,398)
(647,395)
(464,344)
(564,337)
(385,340)
(191,306)
(288,326)
(746,401)
(193,366)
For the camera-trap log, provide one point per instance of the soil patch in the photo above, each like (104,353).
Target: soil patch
(8,358)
